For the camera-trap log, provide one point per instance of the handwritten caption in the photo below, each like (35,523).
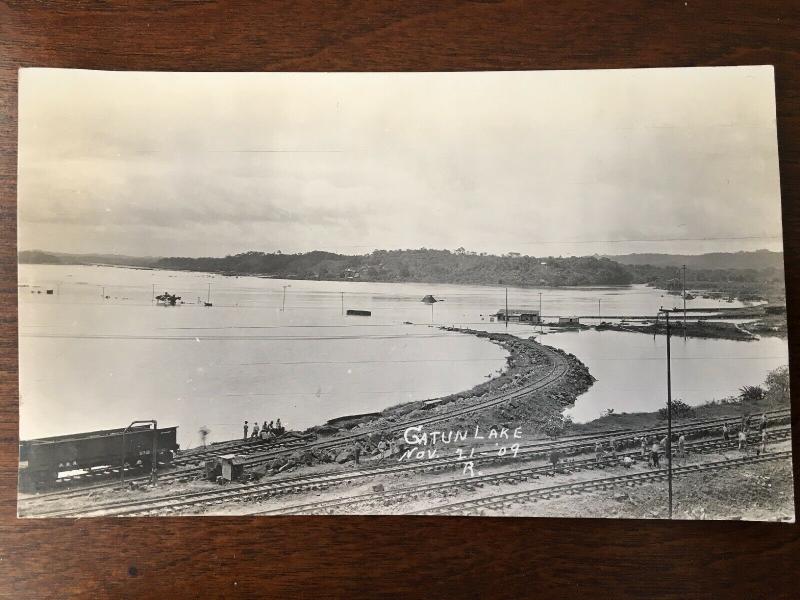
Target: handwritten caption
(422,445)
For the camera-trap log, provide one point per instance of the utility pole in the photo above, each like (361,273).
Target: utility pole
(506,308)
(669,412)
(153,297)
(684,302)
(540,312)
(342,293)
(103,292)
(283,305)
(599,314)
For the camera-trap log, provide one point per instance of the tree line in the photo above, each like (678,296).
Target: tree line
(427,265)
(422,265)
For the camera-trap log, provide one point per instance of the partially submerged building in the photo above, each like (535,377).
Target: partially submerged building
(519,315)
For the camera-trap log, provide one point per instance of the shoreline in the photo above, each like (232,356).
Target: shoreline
(714,292)
(525,359)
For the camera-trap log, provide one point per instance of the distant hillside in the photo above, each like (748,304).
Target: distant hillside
(425,265)
(422,265)
(38,257)
(758,259)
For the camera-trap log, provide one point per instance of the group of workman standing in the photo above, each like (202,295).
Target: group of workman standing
(744,430)
(267,431)
(652,448)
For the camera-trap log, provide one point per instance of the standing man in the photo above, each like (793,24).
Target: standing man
(762,425)
(598,451)
(654,453)
(682,447)
(382,448)
(246,427)
(644,446)
(555,457)
(255,430)
(742,441)
(726,434)
(357,452)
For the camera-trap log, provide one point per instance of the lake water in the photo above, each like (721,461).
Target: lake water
(631,368)
(99,353)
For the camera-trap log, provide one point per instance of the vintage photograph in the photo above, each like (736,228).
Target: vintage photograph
(530,294)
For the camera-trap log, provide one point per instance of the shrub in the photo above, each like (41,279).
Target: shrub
(751,393)
(555,426)
(680,410)
(777,384)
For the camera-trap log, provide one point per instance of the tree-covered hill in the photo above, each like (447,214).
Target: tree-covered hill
(423,265)
(460,266)
(756,259)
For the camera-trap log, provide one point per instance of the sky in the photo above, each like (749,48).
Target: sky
(543,163)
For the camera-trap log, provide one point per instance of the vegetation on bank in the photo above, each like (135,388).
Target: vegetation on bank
(744,284)
(694,329)
(772,394)
(461,266)
(422,265)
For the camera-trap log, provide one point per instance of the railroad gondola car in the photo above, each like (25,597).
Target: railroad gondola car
(41,460)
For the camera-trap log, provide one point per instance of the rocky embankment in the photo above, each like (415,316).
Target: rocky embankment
(536,413)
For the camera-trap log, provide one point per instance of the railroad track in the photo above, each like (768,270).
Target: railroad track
(521,475)
(538,449)
(241,447)
(474,506)
(276,488)
(514,476)
(570,445)
(526,452)
(140,474)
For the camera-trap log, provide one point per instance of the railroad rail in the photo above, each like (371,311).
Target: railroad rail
(275,488)
(567,446)
(520,475)
(469,507)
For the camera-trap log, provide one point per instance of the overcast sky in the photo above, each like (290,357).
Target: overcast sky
(542,163)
